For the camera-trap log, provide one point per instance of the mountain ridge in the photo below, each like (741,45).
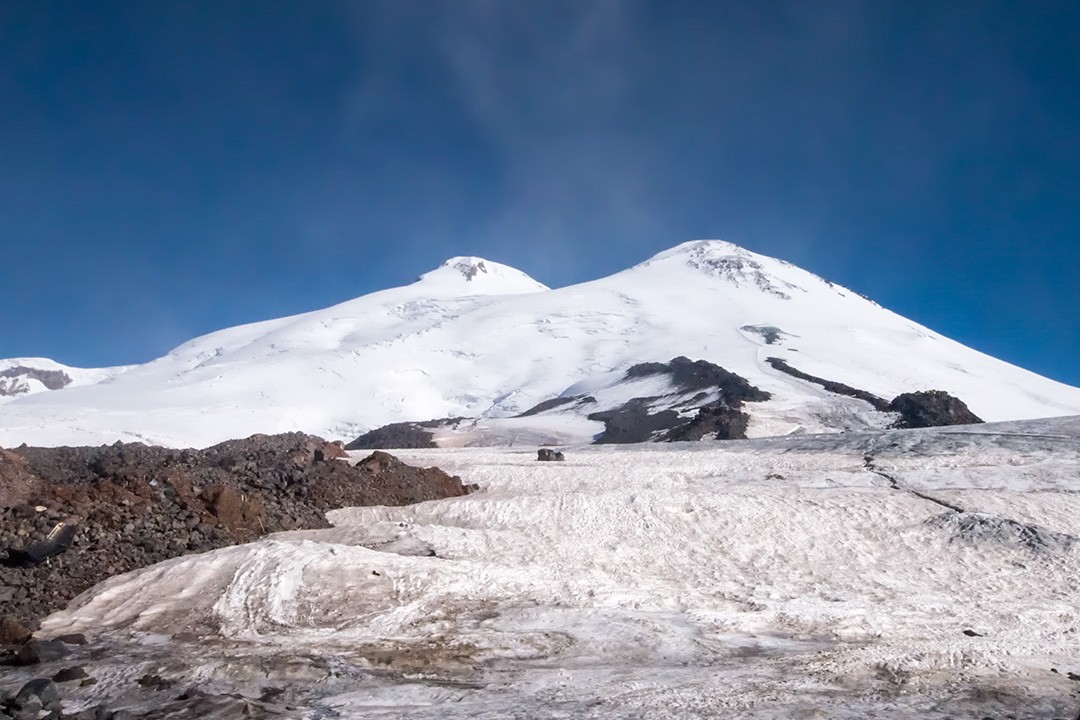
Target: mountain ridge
(474,338)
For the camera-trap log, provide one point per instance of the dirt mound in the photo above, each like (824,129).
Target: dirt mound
(133,505)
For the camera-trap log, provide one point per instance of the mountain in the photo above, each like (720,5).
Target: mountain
(29,376)
(478,340)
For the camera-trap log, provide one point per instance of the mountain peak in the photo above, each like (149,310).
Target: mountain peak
(729,262)
(477,276)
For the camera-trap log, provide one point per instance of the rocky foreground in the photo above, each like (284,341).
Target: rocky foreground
(117,508)
(71,517)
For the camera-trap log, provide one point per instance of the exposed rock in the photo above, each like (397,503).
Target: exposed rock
(57,541)
(770,334)
(154,682)
(38,651)
(976,528)
(931,408)
(17,484)
(136,505)
(549,455)
(10,379)
(12,632)
(71,639)
(633,422)
(235,511)
(831,386)
(404,435)
(70,674)
(715,420)
(389,481)
(41,692)
(557,402)
(636,421)
(688,375)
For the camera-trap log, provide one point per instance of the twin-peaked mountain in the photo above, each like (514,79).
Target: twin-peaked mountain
(486,344)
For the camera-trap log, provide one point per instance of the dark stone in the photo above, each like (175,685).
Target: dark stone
(75,672)
(154,682)
(405,435)
(553,403)
(689,375)
(38,651)
(831,386)
(545,454)
(559,457)
(42,690)
(931,408)
(632,422)
(972,633)
(770,334)
(12,632)
(52,379)
(714,420)
(57,541)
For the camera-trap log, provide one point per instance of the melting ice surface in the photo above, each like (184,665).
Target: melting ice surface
(809,577)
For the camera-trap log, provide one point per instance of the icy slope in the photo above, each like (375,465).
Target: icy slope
(478,339)
(805,577)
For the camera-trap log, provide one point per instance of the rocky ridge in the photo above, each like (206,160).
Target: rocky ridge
(132,505)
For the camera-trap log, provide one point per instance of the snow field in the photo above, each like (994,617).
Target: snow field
(777,578)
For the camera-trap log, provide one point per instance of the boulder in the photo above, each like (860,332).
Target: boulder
(57,541)
(931,408)
(41,692)
(38,651)
(12,632)
(69,674)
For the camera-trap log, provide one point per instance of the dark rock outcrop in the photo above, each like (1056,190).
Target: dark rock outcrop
(553,403)
(689,375)
(931,408)
(636,420)
(830,385)
(715,420)
(402,436)
(769,333)
(405,435)
(549,455)
(52,379)
(633,422)
(133,505)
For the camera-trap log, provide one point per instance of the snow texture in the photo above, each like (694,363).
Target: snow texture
(899,574)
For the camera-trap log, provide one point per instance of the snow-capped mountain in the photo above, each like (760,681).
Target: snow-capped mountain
(481,340)
(29,376)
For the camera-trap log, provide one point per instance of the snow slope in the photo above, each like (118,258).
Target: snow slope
(477,339)
(798,577)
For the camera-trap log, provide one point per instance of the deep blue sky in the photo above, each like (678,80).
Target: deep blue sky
(171,168)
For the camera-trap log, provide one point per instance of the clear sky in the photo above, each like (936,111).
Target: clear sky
(172,168)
